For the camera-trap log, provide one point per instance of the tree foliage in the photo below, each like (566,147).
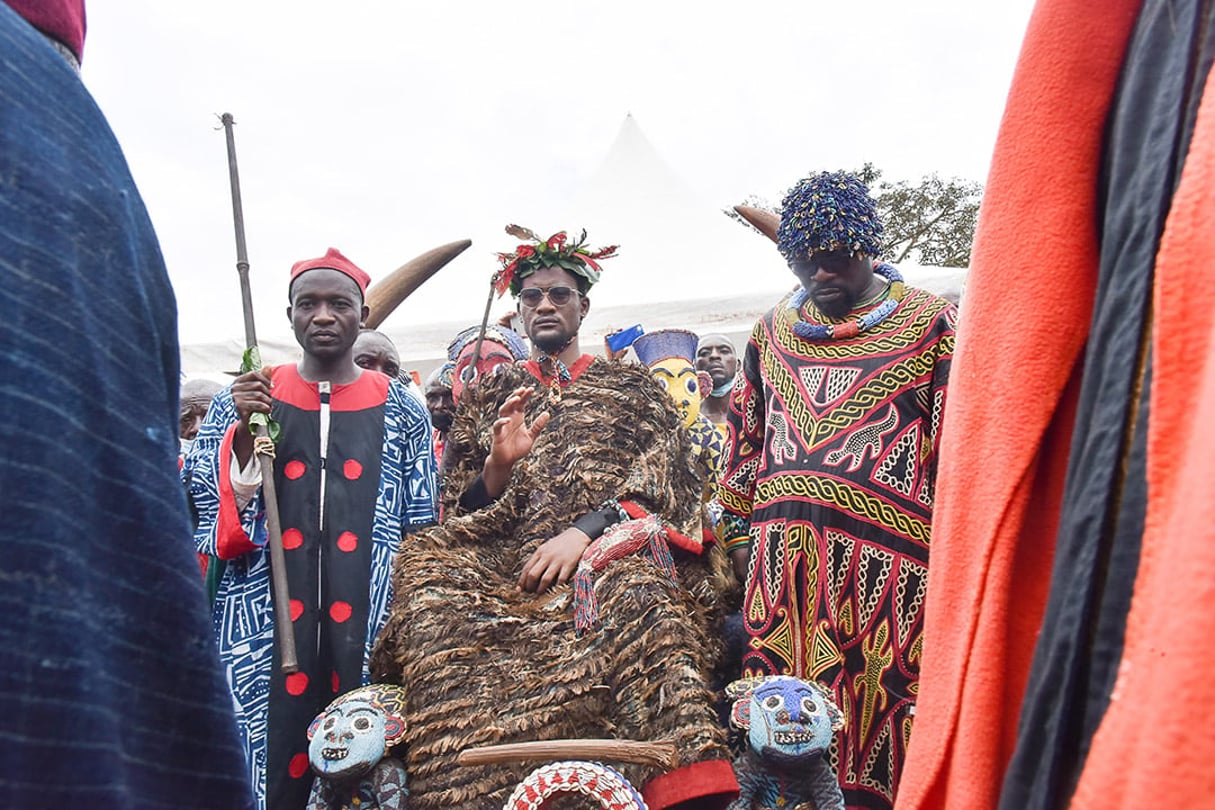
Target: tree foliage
(930,222)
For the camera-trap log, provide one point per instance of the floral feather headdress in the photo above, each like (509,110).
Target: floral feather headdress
(556,251)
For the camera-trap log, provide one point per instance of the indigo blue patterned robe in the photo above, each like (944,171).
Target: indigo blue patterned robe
(110,689)
(378,483)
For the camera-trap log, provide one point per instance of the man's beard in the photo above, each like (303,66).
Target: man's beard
(552,343)
(837,308)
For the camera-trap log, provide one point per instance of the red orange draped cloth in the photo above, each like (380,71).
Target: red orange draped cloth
(1000,484)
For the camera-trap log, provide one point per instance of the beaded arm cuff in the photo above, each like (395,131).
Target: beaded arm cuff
(736,543)
(735,532)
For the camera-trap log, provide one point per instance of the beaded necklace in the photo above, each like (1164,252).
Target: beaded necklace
(562,374)
(838,331)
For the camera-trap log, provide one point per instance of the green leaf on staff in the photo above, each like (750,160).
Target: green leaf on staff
(251,360)
(273,429)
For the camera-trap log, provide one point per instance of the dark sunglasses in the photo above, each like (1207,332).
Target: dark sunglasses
(560,296)
(835,263)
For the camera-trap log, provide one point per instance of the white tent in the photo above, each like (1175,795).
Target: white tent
(682,264)
(673,245)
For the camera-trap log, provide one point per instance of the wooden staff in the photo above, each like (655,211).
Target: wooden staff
(476,357)
(278,568)
(662,753)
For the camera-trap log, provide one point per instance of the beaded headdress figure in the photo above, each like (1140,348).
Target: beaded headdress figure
(355,731)
(556,251)
(827,211)
(460,354)
(499,334)
(670,355)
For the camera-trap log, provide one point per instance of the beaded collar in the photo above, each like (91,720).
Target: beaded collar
(839,331)
(563,375)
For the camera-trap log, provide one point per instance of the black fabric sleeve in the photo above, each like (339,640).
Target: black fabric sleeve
(594,524)
(476,496)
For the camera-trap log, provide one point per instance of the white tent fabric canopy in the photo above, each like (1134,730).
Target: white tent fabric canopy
(682,264)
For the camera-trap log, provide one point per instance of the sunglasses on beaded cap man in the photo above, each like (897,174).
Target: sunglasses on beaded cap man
(834,261)
(559,296)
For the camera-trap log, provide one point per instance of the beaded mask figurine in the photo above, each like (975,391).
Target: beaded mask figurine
(790,724)
(348,748)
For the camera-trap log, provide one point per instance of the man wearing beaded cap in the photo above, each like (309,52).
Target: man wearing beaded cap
(828,479)
(547,462)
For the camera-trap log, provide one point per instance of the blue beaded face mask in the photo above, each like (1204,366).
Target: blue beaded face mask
(791,719)
(349,740)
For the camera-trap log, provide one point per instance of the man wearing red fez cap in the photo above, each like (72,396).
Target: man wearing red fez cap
(354,471)
(333,260)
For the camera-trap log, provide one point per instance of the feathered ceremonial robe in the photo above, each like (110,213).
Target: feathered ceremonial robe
(484,663)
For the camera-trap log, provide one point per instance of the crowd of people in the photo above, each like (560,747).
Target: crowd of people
(767,512)
(541,542)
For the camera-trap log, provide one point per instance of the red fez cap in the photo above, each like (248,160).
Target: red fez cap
(333,260)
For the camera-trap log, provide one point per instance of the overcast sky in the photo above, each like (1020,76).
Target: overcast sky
(386,128)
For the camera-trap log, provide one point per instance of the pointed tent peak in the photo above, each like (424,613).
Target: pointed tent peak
(632,166)
(630,133)
(671,239)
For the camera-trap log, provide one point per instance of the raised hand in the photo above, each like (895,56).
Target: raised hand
(512,439)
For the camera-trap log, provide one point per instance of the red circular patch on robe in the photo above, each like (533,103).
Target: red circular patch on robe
(294,469)
(292,538)
(348,541)
(352,469)
(337,682)
(296,683)
(297,609)
(298,766)
(340,611)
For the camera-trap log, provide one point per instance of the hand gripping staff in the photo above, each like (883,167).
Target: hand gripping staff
(263,429)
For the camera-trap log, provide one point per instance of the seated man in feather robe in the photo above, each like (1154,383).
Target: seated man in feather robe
(548,457)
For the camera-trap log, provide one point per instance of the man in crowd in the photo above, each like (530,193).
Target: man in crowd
(828,483)
(544,458)
(353,471)
(440,405)
(375,351)
(196,396)
(715,354)
(111,692)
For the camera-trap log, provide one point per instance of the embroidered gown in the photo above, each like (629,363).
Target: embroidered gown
(354,470)
(828,476)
